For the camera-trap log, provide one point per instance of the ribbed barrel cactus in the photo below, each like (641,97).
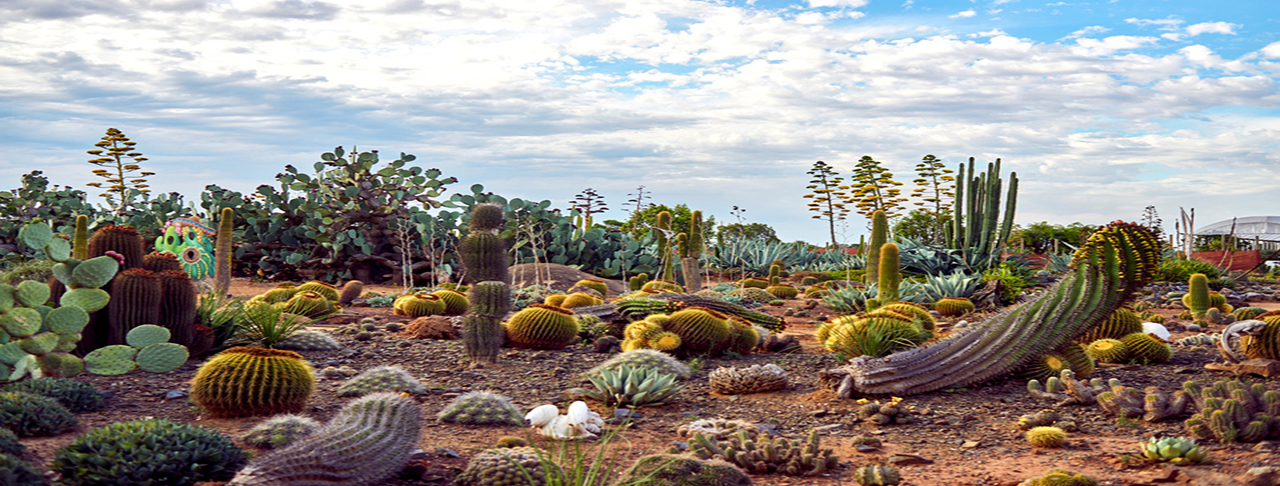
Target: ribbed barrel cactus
(541,326)
(246,381)
(1115,261)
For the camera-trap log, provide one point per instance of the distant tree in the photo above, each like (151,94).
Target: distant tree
(121,160)
(1039,237)
(681,216)
(636,204)
(828,196)
(921,226)
(1151,219)
(747,231)
(874,189)
(934,194)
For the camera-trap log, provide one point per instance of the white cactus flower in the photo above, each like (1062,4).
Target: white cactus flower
(542,415)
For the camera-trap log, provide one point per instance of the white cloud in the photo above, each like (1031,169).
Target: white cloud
(1109,45)
(1087,31)
(964,14)
(1163,24)
(1212,28)
(838,3)
(1272,50)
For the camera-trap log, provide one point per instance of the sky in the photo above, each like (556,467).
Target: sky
(1101,107)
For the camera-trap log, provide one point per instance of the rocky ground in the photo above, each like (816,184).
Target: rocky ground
(962,436)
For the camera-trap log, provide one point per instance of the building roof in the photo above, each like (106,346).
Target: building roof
(1246,227)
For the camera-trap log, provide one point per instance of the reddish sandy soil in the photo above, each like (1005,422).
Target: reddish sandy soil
(965,436)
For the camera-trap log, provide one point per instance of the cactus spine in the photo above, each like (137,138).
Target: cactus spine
(879,236)
(222,252)
(1115,261)
(889,278)
(485,257)
(364,444)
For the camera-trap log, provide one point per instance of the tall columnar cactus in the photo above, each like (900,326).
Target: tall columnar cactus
(1197,298)
(222,252)
(484,254)
(1114,262)
(666,241)
(364,444)
(879,236)
(976,227)
(178,301)
(246,381)
(135,300)
(124,240)
(889,277)
(80,243)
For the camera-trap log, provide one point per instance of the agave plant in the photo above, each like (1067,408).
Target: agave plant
(631,387)
(1179,451)
(849,299)
(934,288)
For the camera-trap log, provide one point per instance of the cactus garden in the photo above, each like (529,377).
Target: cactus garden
(531,347)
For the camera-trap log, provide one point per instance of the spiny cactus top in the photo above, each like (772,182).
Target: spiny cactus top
(245,381)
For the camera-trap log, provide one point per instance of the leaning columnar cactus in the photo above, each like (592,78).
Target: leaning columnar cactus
(631,387)
(1115,261)
(369,440)
(391,378)
(1179,451)
(148,452)
(246,381)
(479,408)
(309,341)
(643,358)
(1231,412)
(742,381)
(678,470)
(509,465)
(877,475)
(541,326)
(764,455)
(279,431)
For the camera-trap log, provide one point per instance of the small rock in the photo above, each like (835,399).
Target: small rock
(901,459)
(828,428)
(863,448)
(680,446)
(820,413)
(442,452)
(172,394)
(625,414)
(970,444)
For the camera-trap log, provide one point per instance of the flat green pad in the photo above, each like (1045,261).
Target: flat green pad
(91,300)
(162,357)
(21,321)
(6,297)
(10,353)
(36,235)
(31,293)
(67,320)
(146,335)
(59,250)
(94,272)
(116,359)
(67,342)
(39,344)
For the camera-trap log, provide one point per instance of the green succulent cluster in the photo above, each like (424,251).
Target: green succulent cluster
(16,472)
(679,470)
(631,387)
(877,475)
(894,412)
(1230,411)
(31,415)
(509,466)
(765,455)
(9,443)
(77,396)
(643,358)
(381,379)
(1179,451)
(148,349)
(478,408)
(369,440)
(309,341)
(279,431)
(148,452)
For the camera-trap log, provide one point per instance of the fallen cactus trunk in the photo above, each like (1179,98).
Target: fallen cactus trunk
(1116,260)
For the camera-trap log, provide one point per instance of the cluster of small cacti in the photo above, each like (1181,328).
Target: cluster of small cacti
(541,326)
(643,358)
(1201,339)
(894,412)
(752,379)
(313,300)
(691,331)
(147,348)
(369,440)
(764,455)
(1066,390)
(631,387)
(309,341)
(418,305)
(479,408)
(680,470)
(1152,404)
(1060,477)
(1179,451)
(77,396)
(1230,411)
(877,475)
(32,415)
(718,428)
(279,431)
(172,452)
(247,381)
(1247,313)
(1046,437)
(509,466)
(391,378)
(1199,299)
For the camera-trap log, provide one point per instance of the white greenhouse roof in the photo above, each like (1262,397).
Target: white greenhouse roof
(1247,227)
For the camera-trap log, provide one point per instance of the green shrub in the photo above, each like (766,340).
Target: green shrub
(9,444)
(31,415)
(38,270)
(148,452)
(1180,270)
(77,396)
(17,472)
(1013,278)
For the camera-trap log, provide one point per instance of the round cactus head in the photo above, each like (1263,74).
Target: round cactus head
(541,326)
(246,381)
